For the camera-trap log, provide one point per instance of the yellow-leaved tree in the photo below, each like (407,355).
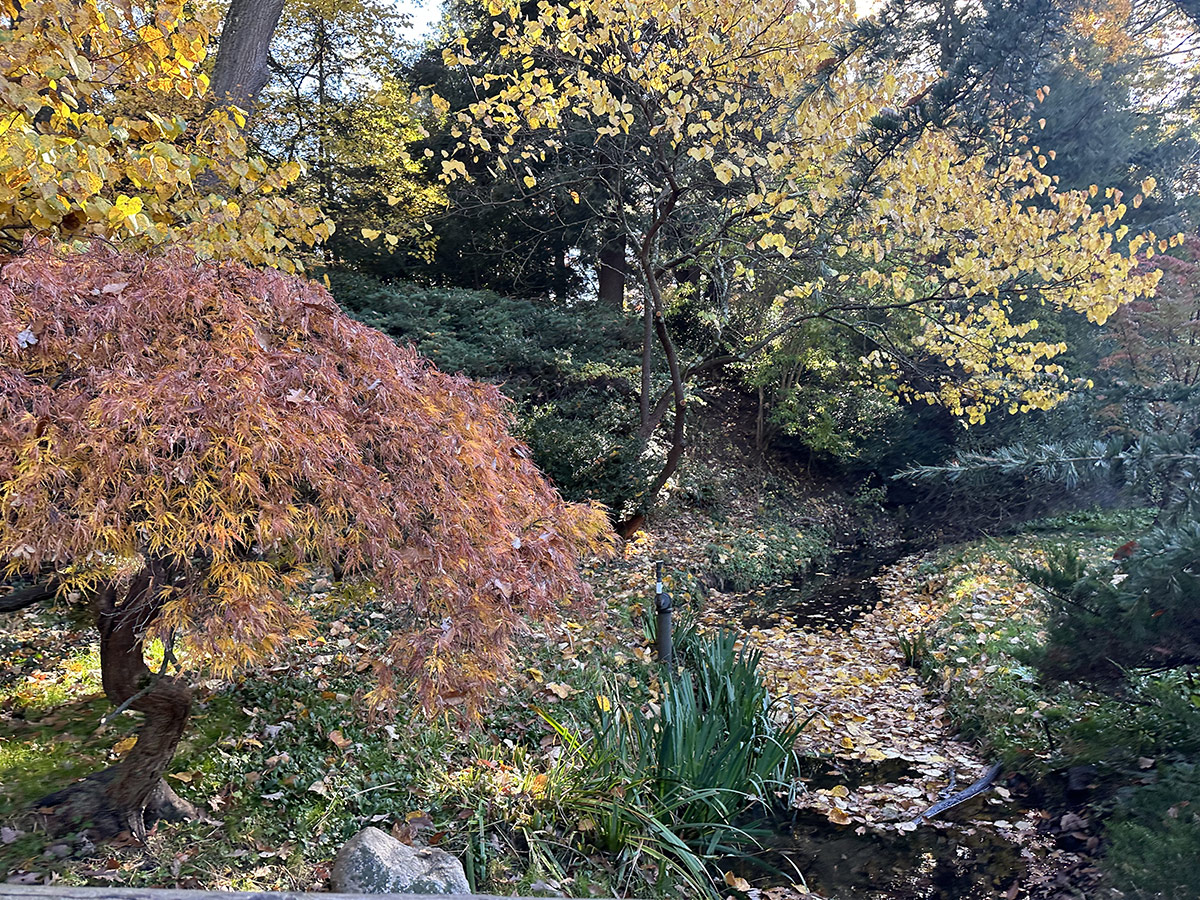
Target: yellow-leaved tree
(105,132)
(751,162)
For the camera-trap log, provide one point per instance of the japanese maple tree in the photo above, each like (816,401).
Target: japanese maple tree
(182,443)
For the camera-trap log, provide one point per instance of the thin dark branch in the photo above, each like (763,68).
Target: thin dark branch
(28,596)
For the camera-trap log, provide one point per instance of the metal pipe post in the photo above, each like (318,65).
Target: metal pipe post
(662,621)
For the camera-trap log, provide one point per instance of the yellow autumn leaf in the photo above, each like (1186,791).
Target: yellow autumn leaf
(124,745)
(839,790)
(838,817)
(124,207)
(370,233)
(562,691)
(736,882)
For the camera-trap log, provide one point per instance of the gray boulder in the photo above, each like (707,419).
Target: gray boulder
(373,862)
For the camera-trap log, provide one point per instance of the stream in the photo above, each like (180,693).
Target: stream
(834,595)
(934,862)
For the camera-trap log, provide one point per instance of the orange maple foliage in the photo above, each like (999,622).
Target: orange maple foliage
(234,423)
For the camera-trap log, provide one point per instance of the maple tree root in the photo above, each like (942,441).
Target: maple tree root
(88,804)
(130,796)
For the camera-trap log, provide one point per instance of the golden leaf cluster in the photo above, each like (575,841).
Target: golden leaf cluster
(745,119)
(104,133)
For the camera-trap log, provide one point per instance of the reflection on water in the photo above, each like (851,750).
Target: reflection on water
(834,596)
(928,864)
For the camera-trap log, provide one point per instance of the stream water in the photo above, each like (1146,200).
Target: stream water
(832,596)
(960,862)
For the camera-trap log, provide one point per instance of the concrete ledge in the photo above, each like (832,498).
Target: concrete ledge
(61,892)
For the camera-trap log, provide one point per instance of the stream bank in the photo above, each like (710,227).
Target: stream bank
(881,747)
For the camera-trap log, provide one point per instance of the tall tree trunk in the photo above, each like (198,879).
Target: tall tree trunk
(562,271)
(656,326)
(131,795)
(240,71)
(647,363)
(678,437)
(325,172)
(611,272)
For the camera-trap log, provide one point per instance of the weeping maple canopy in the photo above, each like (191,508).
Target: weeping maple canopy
(235,423)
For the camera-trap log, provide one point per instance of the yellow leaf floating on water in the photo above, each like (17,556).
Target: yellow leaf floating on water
(838,817)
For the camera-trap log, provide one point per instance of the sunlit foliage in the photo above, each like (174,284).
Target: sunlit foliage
(756,149)
(105,134)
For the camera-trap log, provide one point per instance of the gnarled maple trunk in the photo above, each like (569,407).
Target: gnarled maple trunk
(131,795)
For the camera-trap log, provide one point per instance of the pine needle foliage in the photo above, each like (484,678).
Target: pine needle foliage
(1140,611)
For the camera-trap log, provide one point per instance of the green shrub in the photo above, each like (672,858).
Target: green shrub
(575,404)
(744,558)
(1154,838)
